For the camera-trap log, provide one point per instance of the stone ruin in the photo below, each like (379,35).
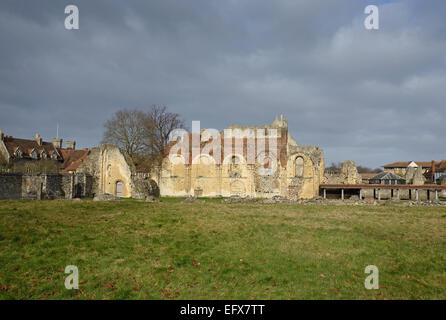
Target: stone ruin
(348,174)
(414,175)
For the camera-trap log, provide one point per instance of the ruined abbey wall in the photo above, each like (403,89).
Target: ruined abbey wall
(296,171)
(109,166)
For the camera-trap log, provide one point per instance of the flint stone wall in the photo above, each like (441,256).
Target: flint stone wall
(44,186)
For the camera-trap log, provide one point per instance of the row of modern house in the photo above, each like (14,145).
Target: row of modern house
(403,172)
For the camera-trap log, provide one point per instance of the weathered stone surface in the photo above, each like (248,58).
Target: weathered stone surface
(332,178)
(105,197)
(108,166)
(193,200)
(418,178)
(296,171)
(414,175)
(44,186)
(349,173)
(144,187)
(410,172)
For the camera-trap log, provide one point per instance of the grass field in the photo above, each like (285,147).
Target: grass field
(169,250)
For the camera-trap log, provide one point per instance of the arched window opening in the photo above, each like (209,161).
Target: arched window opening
(299,167)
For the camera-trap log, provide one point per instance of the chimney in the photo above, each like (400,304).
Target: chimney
(1,135)
(57,143)
(70,145)
(38,139)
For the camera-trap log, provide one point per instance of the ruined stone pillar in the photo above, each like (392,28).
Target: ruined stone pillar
(379,194)
(416,194)
(342,194)
(325,193)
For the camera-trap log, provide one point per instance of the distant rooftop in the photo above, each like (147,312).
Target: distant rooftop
(386,176)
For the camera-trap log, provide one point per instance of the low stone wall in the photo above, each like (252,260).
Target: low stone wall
(332,178)
(10,186)
(44,186)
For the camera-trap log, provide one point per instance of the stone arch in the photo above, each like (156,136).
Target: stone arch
(175,159)
(203,165)
(293,166)
(267,163)
(299,170)
(203,159)
(177,165)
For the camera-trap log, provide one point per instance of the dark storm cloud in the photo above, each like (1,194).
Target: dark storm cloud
(373,97)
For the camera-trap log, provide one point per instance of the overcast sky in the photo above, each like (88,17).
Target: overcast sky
(372,96)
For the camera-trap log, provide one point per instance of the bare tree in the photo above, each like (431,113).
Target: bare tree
(159,124)
(126,130)
(143,135)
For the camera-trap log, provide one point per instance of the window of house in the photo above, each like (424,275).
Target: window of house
(18,153)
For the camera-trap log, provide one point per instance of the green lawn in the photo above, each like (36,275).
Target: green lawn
(170,250)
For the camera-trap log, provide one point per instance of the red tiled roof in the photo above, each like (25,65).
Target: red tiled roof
(27,146)
(72,159)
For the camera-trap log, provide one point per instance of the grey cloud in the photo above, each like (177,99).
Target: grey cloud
(373,97)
